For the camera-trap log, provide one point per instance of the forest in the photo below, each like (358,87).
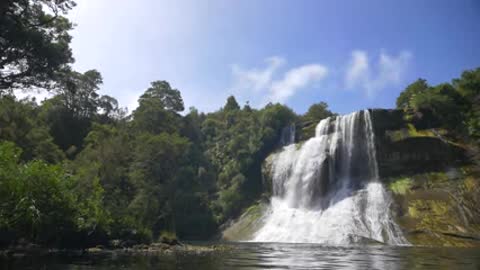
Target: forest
(78,170)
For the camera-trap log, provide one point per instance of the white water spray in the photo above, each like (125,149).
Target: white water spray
(327,191)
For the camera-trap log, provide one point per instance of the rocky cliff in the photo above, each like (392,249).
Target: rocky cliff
(435,186)
(413,146)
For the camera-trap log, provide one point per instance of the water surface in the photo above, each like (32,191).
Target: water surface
(267,256)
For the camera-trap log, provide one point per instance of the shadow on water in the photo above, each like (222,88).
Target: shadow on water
(266,256)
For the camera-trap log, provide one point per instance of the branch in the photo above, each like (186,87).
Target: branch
(55,11)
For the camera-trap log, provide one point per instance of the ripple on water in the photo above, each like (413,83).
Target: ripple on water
(267,256)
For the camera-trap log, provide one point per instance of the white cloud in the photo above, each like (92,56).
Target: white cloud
(388,71)
(358,69)
(295,79)
(263,84)
(257,79)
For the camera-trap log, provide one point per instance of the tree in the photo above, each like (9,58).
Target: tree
(317,112)
(444,102)
(108,105)
(97,183)
(454,106)
(158,109)
(76,106)
(36,198)
(237,141)
(416,88)
(34,42)
(105,162)
(231,104)
(157,159)
(78,92)
(192,126)
(170,99)
(20,123)
(469,86)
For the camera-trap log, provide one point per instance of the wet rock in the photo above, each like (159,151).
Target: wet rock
(362,240)
(438,208)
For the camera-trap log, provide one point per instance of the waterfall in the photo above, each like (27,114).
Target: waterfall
(328,191)
(288,135)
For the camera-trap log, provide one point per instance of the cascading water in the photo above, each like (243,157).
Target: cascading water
(288,135)
(327,191)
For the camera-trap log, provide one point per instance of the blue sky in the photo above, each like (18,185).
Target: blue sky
(351,54)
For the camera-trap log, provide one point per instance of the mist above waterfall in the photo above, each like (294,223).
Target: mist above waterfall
(327,189)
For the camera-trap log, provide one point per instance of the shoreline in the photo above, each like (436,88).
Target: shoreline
(141,249)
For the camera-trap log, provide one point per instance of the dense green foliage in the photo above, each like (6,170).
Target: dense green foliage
(455,105)
(40,202)
(317,112)
(34,42)
(131,177)
(236,143)
(405,98)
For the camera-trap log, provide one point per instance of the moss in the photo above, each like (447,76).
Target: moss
(408,117)
(471,184)
(433,215)
(436,179)
(412,211)
(439,208)
(249,222)
(401,185)
(428,238)
(254,211)
(412,132)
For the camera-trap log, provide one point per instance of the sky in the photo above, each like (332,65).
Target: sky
(351,54)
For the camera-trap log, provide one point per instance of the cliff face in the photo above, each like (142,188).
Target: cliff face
(405,148)
(438,208)
(434,185)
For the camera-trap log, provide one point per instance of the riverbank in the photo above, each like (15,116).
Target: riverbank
(141,249)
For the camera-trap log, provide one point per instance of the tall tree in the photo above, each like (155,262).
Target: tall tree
(170,99)
(232,104)
(76,106)
(416,88)
(469,86)
(157,159)
(158,109)
(34,42)
(79,92)
(20,123)
(317,112)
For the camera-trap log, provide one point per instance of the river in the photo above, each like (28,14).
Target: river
(266,256)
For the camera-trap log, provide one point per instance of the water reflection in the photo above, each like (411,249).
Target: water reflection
(307,256)
(268,256)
